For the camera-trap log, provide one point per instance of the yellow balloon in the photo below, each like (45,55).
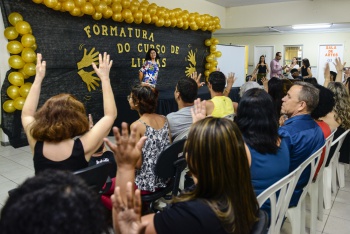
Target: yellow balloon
(76,12)
(34,47)
(137,21)
(206,72)
(79,3)
(68,5)
(97,16)
(16,61)
(214,63)
(167,23)
(38,1)
(212,48)
(10,33)
(209,58)
(94,2)
(14,47)
(160,22)
(214,41)
(212,69)
(117,7)
(107,13)
(207,42)
(126,13)
(129,20)
(88,9)
(29,69)
(154,19)
(23,73)
(125,3)
(19,102)
(147,18)
(16,78)
(50,3)
(58,7)
(28,55)
(101,7)
(23,27)
(28,40)
(218,54)
(13,92)
(15,17)
(24,89)
(138,15)
(108,2)
(8,106)
(117,17)
(207,65)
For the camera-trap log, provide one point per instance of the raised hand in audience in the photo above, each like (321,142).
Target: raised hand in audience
(198,110)
(327,75)
(197,78)
(128,217)
(265,82)
(339,67)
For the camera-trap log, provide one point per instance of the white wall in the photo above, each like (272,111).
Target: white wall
(288,13)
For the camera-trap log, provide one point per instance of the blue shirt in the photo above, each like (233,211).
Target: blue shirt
(303,138)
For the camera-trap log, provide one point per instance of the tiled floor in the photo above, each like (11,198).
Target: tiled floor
(17,164)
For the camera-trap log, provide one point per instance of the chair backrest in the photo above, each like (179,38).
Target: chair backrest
(171,162)
(340,141)
(279,194)
(182,135)
(95,176)
(327,147)
(260,227)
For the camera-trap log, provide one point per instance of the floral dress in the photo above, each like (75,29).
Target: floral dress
(150,73)
(156,141)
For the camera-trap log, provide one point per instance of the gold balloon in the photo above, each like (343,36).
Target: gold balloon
(38,1)
(212,69)
(24,89)
(23,73)
(214,41)
(209,58)
(34,47)
(58,7)
(28,55)
(137,21)
(16,78)
(94,2)
(13,92)
(207,65)
(14,47)
(108,2)
(206,72)
(76,12)
(117,17)
(125,3)
(129,20)
(160,22)
(79,3)
(193,26)
(50,3)
(28,40)
(212,48)
(147,18)
(173,22)
(10,33)
(97,16)
(117,7)
(218,54)
(8,106)
(16,61)
(152,10)
(101,7)
(15,17)
(126,13)
(29,69)
(138,15)
(68,5)
(214,63)
(88,9)
(167,23)
(207,42)
(19,102)
(23,27)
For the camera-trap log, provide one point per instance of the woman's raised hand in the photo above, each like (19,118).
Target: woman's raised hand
(198,110)
(126,150)
(104,67)
(40,68)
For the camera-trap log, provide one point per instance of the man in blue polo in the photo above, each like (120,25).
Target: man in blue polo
(302,133)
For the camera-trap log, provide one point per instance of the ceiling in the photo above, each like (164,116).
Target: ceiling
(283,29)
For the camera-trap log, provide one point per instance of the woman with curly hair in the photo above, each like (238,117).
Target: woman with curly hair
(148,73)
(339,119)
(51,129)
(144,100)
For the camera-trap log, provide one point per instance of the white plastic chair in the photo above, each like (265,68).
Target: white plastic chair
(296,214)
(329,173)
(316,189)
(279,195)
(340,168)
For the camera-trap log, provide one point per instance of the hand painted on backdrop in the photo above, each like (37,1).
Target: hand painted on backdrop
(89,79)
(88,59)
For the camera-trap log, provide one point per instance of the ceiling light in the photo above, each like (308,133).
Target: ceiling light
(311,26)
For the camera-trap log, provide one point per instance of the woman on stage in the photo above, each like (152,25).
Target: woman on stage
(149,71)
(261,69)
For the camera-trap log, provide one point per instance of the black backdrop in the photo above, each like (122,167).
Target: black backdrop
(62,39)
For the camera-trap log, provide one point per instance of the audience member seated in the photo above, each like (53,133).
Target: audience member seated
(54,201)
(223,200)
(51,129)
(185,93)
(340,117)
(278,88)
(295,74)
(302,133)
(155,127)
(219,105)
(325,105)
(311,80)
(257,121)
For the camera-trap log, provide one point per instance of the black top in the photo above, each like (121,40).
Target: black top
(188,217)
(73,163)
(304,71)
(262,68)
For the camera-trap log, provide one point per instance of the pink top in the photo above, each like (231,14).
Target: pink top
(276,69)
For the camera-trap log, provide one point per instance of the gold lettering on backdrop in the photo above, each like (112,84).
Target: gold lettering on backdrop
(121,48)
(104,30)
(121,32)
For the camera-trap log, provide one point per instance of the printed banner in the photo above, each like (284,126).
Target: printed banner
(69,44)
(327,54)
